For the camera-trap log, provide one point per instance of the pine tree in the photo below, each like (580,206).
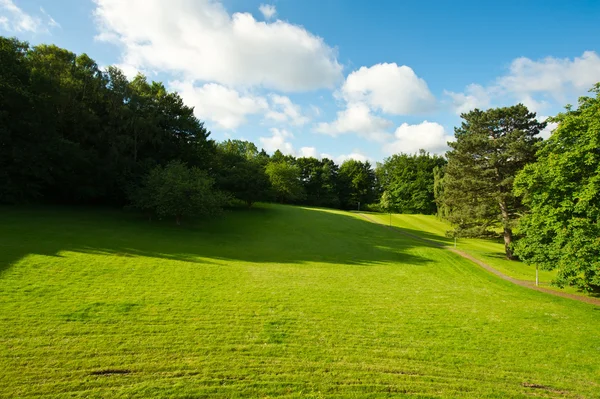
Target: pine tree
(491,147)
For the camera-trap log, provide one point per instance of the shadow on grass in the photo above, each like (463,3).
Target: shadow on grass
(264,234)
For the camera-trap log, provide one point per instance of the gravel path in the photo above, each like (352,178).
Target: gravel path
(522,283)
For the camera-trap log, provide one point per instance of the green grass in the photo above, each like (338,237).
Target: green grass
(273,302)
(487,250)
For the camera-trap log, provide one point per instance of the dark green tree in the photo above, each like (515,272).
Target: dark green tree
(285,181)
(409,181)
(26,141)
(241,171)
(319,178)
(357,184)
(178,191)
(491,147)
(562,191)
(72,133)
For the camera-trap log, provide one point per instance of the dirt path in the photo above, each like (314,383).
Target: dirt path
(522,283)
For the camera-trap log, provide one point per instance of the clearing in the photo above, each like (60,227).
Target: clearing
(277,301)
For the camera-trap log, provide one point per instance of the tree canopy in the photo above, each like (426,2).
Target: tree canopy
(562,191)
(409,181)
(72,133)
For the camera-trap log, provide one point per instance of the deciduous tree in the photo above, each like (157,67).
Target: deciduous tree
(178,191)
(562,190)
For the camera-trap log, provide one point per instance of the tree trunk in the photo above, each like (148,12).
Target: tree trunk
(178,220)
(507,231)
(507,242)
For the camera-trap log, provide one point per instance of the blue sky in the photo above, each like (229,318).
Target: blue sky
(342,79)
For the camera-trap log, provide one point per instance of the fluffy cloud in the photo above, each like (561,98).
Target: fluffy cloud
(224,106)
(475,96)
(268,11)
(278,141)
(534,83)
(554,76)
(409,139)
(14,19)
(284,111)
(389,88)
(202,41)
(308,152)
(357,118)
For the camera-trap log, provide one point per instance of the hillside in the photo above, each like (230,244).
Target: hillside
(277,301)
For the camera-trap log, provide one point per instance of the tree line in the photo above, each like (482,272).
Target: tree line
(72,133)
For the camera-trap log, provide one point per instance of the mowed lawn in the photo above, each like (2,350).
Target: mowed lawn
(489,251)
(278,301)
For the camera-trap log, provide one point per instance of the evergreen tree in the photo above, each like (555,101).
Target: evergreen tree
(491,147)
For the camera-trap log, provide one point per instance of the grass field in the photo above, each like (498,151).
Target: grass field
(487,250)
(273,302)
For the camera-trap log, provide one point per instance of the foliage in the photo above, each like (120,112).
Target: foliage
(562,190)
(438,191)
(319,179)
(409,181)
(385,202)
(241,171)
(285,180)
(356,184)
(26,141)
(72,133)
(93,134)
(178,191)
(491,147)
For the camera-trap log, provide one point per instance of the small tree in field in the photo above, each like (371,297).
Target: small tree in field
(386,204)
(178,191)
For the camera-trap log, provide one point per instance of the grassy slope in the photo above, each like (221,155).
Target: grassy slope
(489,251)
(278,301)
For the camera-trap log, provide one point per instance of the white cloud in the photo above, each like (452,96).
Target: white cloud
(224,106)
(357,118)
(547,132)
(202,41)
(128,70)
(409,139)
(268,10)
(316,111)
(553,76)
(51,22)
(389,88)
(475,96)
(14,19)
(537,84)
(278,141)
(308,152)
(283,110)
(354,155)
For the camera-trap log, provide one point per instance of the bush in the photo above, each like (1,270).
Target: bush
(178,191)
